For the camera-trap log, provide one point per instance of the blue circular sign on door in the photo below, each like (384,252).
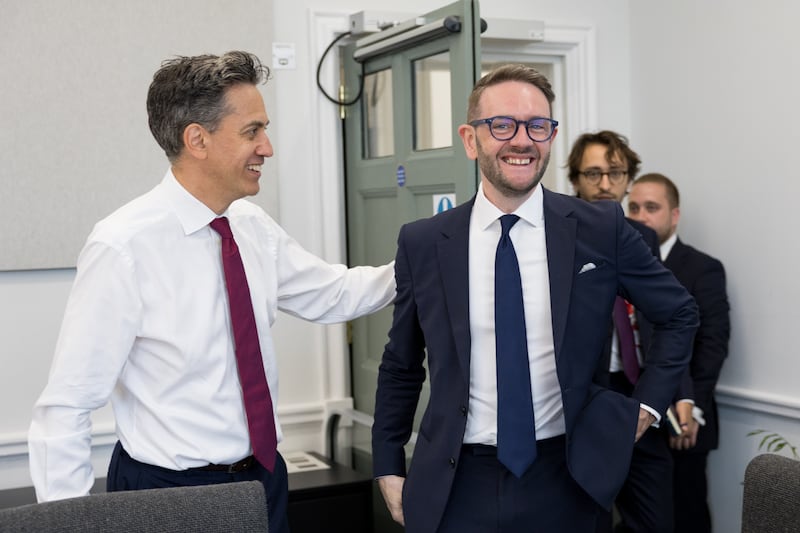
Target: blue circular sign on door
(401,175)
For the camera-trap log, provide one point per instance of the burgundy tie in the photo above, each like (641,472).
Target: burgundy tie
(255,391)
(627,344)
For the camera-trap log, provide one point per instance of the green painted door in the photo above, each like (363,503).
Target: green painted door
(403,156)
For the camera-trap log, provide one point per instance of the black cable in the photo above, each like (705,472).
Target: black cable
(319,69)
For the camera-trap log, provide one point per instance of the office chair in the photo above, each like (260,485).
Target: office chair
(224,508)
(771,500)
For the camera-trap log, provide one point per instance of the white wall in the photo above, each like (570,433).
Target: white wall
(714,106)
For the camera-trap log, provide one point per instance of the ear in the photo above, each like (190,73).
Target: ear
(467,134)
(195,141)
(676,216)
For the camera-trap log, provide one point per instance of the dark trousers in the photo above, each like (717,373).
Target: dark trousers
(126,473)
(645,501)
(487,498)
(691,492)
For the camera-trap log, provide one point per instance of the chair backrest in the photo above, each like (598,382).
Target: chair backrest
(771,495)
(227,507)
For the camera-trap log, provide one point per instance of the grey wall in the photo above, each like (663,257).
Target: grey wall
(75,143)
(715,108)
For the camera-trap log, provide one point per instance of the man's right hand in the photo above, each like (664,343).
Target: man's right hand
(392,490)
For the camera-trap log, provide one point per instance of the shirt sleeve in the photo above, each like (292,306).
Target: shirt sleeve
(312,289)
(99,326)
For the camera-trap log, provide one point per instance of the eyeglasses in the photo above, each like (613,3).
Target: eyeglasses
(505,128)
(593,175)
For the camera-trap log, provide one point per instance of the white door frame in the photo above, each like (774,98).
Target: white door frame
(570,48)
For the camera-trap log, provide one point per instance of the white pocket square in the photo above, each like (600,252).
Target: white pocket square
(587,267)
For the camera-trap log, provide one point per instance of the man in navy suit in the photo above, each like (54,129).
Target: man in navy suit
(574,259)
(654,201)
(602,166)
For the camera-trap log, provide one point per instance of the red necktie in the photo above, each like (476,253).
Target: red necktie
(255,390)
(627,344)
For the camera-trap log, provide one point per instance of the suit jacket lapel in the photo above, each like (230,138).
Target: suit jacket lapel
(673,260)
(560,235)
(453,257)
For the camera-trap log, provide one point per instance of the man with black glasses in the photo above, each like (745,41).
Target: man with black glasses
(602,166)
(504,302)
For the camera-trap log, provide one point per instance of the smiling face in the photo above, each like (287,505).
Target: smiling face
(510,170)
(237,147)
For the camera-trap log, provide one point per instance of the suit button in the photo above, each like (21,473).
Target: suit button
(452,462)
(464,410)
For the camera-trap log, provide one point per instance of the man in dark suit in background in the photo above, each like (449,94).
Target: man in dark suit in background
(654,201)
(574,258)
(601,166)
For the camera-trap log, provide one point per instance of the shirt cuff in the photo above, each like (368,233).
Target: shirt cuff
(697,414)
(652,412)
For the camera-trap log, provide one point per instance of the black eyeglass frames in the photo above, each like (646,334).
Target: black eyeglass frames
(594,175)
(539,129)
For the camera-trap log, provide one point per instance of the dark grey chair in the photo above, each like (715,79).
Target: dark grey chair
(771,501)
(225,508)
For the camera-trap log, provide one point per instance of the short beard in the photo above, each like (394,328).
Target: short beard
(495,176)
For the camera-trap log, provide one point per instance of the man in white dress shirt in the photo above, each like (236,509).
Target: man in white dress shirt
(147,324)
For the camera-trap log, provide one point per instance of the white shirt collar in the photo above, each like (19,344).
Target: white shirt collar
(191,212)
(666,246)
(485,212)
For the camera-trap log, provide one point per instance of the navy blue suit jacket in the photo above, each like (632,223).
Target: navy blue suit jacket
(431,315)
(685,389)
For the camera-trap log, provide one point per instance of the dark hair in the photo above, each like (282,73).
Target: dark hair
(191,90)
(510,72)
(673,196)
(615,144)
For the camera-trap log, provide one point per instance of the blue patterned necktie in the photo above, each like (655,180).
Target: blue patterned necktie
(516,433)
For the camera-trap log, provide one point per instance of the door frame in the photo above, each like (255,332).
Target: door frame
(573,46)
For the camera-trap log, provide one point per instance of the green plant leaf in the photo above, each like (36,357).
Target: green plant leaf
(765,439)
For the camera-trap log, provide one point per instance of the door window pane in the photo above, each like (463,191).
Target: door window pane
(432,110)
(378,118)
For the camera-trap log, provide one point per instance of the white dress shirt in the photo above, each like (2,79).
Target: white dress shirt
(147,325)
(528,236)
(666,246)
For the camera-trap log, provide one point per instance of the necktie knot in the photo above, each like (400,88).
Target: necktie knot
(222,226)
(506,223)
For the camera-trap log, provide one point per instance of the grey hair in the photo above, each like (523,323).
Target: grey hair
(191,90)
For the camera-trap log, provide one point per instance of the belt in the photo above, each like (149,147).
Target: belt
(239,466)
(479,449)
(544,445)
